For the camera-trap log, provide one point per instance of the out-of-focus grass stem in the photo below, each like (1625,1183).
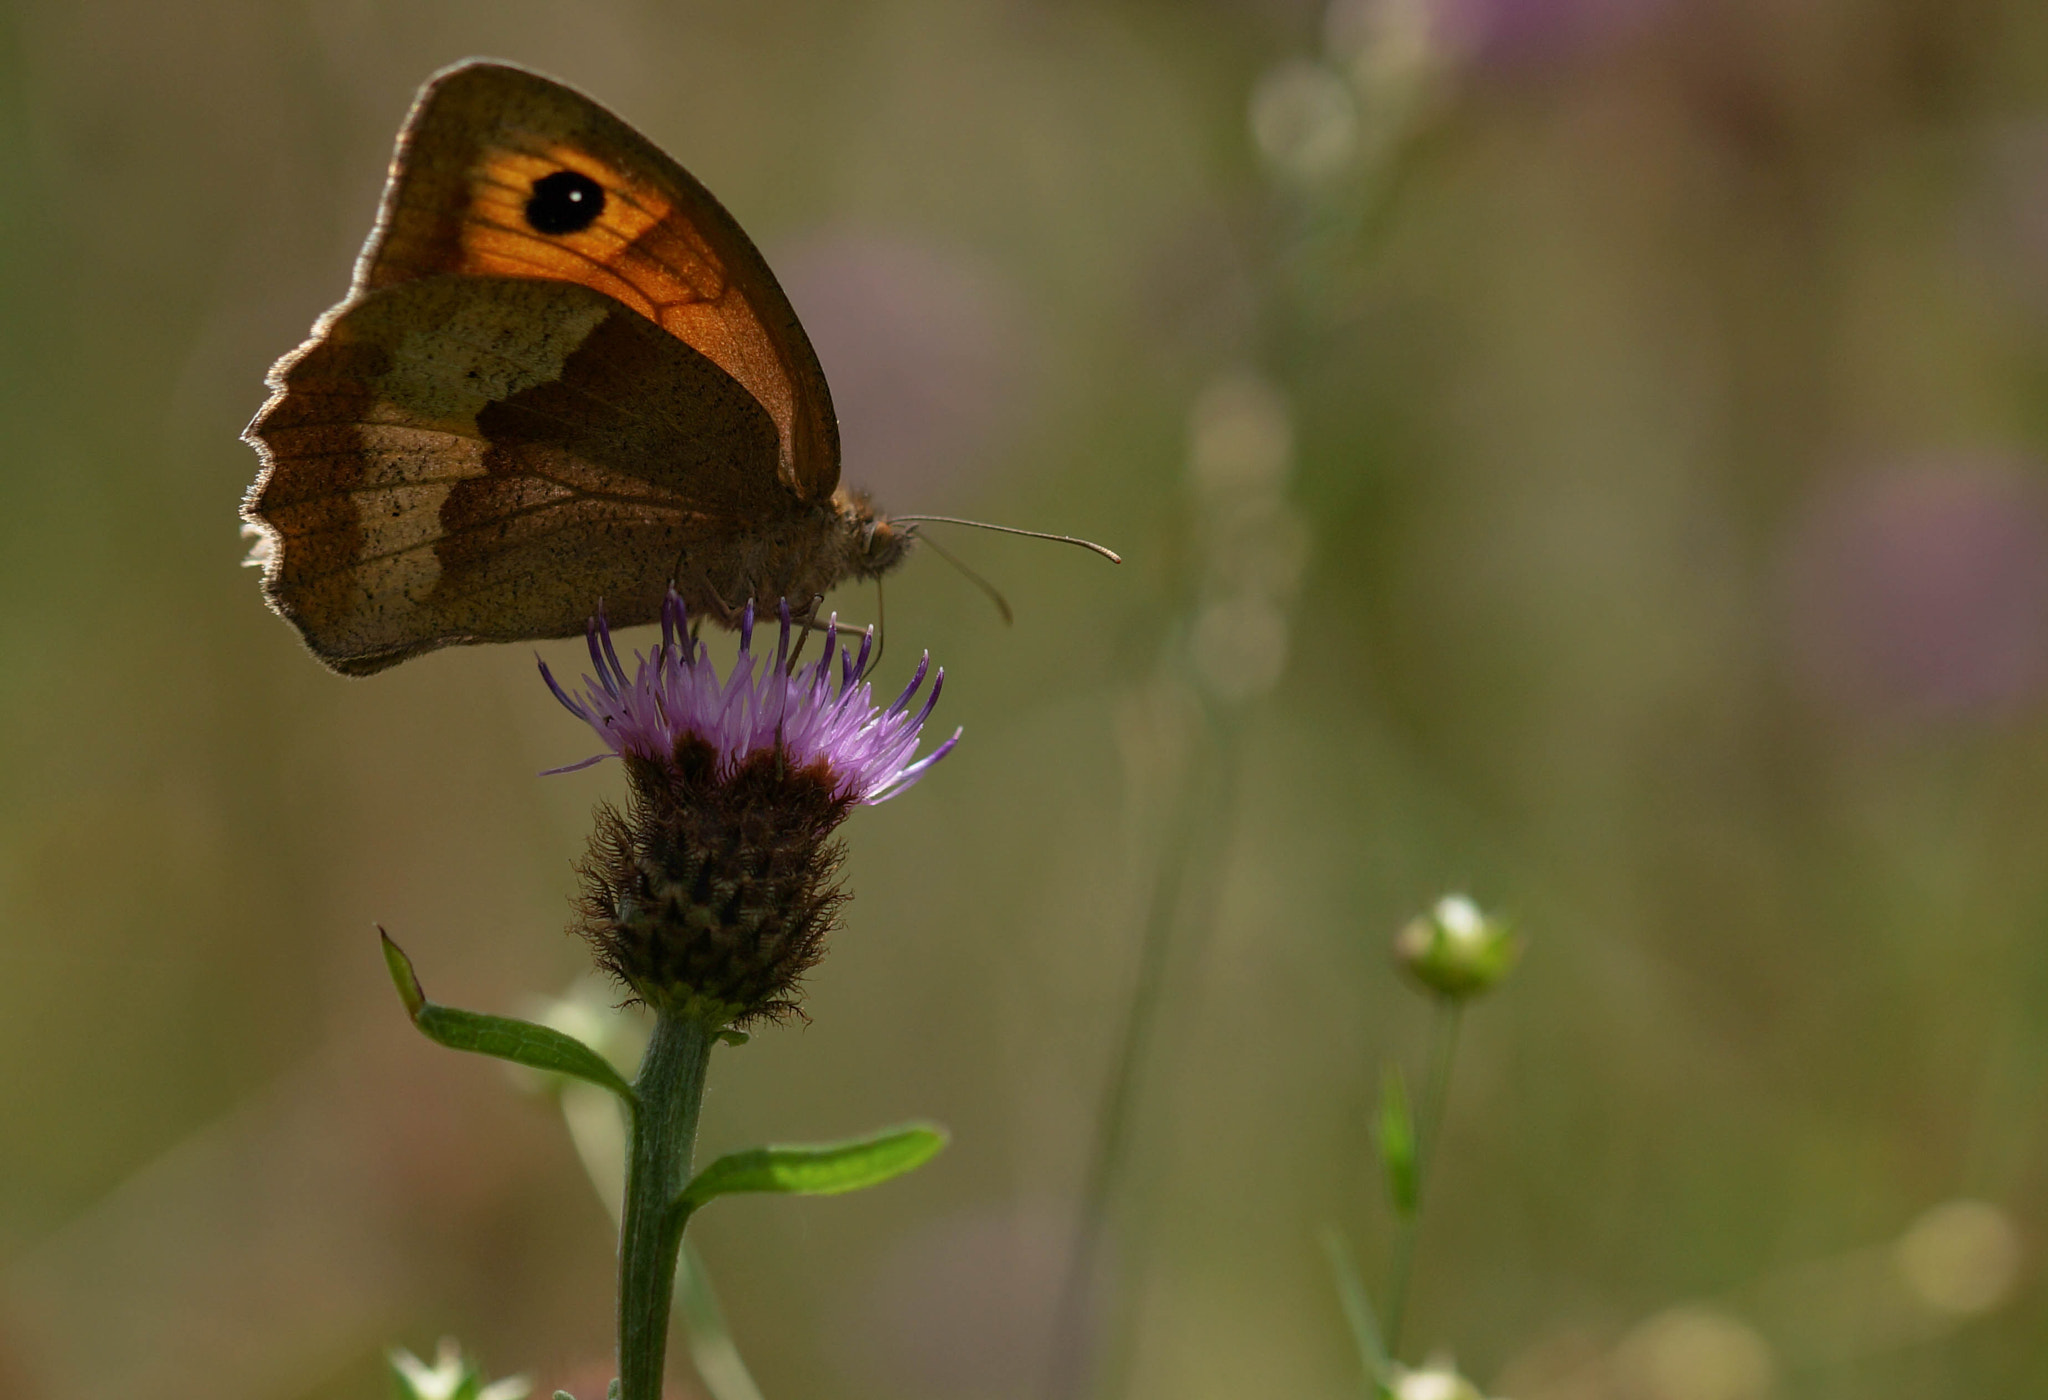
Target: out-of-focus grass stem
(1436,1093)
(1203,811)
(712,1349)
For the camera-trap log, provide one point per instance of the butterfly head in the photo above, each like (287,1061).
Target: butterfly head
(878,543)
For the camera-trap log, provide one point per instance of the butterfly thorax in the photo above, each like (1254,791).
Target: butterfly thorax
(801,558)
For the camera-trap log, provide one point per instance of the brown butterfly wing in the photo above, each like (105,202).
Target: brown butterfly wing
(512,418)
(482,135)
(468,459)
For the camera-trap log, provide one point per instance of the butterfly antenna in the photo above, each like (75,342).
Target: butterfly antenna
(1104,550)
(994,596)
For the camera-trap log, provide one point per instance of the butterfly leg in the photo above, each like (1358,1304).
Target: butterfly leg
(881,633)
(807,620)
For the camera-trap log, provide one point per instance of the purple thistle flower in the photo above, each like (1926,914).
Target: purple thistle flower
(821,713)
(714,889)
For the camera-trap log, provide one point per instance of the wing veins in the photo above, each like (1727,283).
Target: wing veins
(578,253)
(300,580)
(675,273)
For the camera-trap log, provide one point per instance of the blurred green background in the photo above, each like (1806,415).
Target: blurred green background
(1586,452)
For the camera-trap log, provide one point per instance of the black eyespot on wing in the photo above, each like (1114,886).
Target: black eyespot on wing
(567,201)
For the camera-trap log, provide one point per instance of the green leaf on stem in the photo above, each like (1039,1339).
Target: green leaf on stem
(522,1042)
(1397,1144)
(827,1169)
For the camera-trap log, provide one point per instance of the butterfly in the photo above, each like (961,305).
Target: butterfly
(563,377)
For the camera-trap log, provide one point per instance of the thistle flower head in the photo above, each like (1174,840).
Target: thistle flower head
(821,713)
(712,891)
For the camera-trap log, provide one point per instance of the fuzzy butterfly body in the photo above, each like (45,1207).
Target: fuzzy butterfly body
(562,378)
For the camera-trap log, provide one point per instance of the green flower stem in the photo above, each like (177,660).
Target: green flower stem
(664,1135)
(1443,1048)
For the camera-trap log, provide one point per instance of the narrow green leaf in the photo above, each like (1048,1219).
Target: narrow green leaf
(823,1170)
(522,1042)
(1364,1323)
(402,976)
(1397,1144)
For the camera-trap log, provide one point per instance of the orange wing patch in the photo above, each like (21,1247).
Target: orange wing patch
(640,251)
(480,138)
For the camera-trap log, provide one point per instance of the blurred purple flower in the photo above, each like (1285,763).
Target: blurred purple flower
(1923,588)
(1513,32)
(923,348)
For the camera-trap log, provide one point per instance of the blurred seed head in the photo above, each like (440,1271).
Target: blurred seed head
(1921,590)
(1304,120)
(1259,548)
(1439,1380)
(1254,544)
(1240,648)
(1380,42)
(1240,435)
(1961,1258)
(1694,1352)
(1455,950)
(1395,55)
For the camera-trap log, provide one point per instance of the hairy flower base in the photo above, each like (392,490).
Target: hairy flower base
(711,895)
